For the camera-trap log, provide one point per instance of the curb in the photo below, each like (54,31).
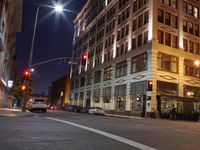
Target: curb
(123,116)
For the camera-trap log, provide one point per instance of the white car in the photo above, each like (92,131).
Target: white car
(37,104)
(96,111)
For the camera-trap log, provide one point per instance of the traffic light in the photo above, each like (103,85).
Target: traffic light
(84,56)
(149,85)
(26,74)
(84,59)
(23,87)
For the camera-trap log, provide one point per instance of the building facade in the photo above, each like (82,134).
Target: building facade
(59,92)
(10,23)
(140,55)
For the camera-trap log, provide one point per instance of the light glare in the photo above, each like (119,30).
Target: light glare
(59,8)
(197,63)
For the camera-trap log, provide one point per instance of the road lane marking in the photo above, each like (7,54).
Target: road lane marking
(109,135)
(178,130)
(7,115)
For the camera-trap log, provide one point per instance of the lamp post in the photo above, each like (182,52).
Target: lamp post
(58,8)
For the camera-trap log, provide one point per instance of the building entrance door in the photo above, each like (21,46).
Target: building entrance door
(88,100)
(120,104)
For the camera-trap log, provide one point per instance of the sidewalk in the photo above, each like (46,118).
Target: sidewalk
(9,112)
(123,116)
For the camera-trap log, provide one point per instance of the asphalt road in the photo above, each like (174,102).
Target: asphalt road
(75,131)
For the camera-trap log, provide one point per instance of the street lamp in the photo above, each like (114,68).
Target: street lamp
(58,8)
(197,63)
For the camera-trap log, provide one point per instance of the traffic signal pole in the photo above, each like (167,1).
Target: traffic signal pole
(25,87)
(72,61)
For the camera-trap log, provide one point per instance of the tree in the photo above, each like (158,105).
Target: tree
(18,93)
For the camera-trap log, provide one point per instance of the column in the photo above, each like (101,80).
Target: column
(112,102)
(101,89)
(128,86)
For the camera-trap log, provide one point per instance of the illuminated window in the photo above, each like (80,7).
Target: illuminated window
(189,9)
(139,63)
(107,94)
(121,69)
(107,73)
(96,95)
(190,68)
(167,63)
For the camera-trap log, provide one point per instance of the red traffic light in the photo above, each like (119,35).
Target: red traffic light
(84,59)
(149,85)
(85,56)
(26,73)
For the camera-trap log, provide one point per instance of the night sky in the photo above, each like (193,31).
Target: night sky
(53,39)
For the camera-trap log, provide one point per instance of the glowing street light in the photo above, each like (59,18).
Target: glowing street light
(58,8)
(32,69)
(197,63)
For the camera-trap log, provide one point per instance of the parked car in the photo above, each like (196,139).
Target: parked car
(37,104)
(69,108)
(78,109)
(96,111)
(85,110)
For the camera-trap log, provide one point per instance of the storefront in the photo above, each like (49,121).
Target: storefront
(138,96)
(186,108)
(120,97)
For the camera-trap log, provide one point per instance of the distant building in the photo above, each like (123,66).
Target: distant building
(10,23)
(137,55)
(59,91)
